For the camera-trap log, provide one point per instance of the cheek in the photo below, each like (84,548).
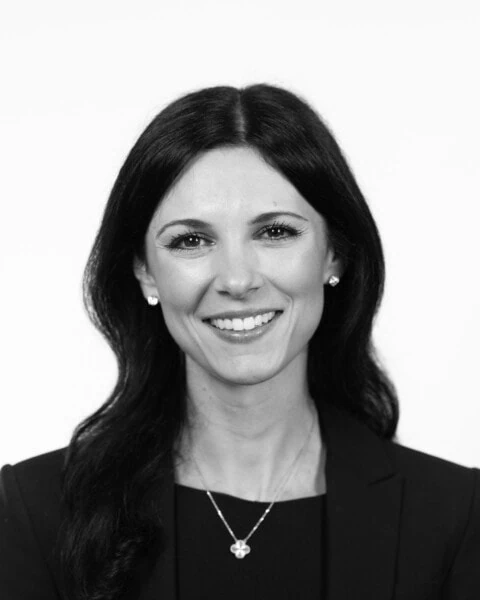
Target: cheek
(177,299)
(174,289)
(303,281)
(180,290)
(302,274)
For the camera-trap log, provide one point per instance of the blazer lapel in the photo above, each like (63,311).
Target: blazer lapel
(363,504)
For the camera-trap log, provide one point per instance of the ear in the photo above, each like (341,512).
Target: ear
(334,265)
(145,278)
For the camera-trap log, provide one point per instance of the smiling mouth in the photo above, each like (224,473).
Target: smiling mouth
(247,324)
(244,330)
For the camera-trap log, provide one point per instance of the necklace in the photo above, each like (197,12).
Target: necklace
(240,548)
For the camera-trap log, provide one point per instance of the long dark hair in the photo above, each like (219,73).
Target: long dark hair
(118,453)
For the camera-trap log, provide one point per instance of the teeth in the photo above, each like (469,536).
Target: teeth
(243,324)
(237,324)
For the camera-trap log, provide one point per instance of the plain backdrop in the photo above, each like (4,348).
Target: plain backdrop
(396,81)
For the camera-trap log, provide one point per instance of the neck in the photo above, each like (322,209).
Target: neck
(245,438)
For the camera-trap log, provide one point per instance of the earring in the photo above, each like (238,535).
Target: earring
(333,280)
(152,300)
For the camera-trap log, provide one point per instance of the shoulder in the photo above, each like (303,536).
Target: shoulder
(427,473)
(355,447)
(31,513)
(440,510)
(416,463)
(31,489)
(438,496)
(432,488)
(31,492)
(36,478)
(43,464)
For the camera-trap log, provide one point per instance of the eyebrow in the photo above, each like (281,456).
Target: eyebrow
(197,223)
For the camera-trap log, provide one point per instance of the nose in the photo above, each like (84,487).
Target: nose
(237,271)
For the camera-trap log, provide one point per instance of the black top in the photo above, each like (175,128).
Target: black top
(286,549)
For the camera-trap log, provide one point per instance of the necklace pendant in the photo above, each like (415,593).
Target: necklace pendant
(240,548)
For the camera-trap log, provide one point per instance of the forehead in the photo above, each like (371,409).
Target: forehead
(230,181)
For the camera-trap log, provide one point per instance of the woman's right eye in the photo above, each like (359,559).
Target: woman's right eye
(190,241)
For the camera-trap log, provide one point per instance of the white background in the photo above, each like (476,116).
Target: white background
(397,82)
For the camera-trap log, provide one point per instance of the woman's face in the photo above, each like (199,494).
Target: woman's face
(238,260)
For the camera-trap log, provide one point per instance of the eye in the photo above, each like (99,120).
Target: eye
(188,241)
(279,231)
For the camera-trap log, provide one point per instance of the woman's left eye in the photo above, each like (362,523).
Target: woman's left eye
(279,231)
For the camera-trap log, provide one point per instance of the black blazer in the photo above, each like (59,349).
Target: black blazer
(400,524)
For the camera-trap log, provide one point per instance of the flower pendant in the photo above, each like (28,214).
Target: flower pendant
(240,548)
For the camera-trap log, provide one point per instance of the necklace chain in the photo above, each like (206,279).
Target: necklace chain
(240,548)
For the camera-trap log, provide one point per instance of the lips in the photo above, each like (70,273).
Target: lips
(240,330)
(246,324)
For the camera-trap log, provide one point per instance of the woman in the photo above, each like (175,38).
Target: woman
(246,450)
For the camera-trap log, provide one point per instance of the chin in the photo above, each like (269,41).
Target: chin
(247,379)
(247,374)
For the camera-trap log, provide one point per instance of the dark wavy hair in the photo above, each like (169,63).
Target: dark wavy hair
(118,454)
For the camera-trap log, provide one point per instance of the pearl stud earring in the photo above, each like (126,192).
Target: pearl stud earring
(152,300)
(333,280)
